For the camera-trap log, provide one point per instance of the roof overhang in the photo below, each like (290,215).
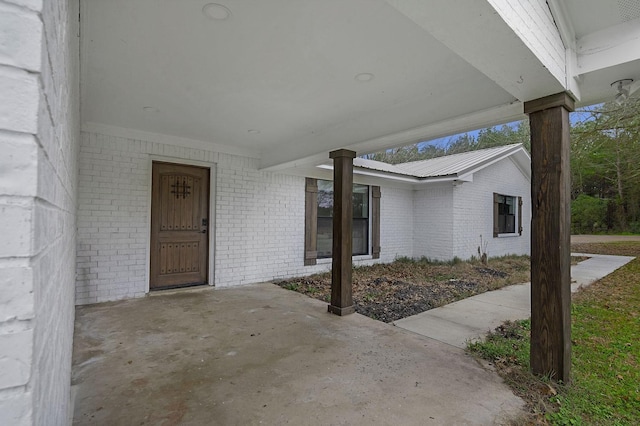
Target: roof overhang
(288,81)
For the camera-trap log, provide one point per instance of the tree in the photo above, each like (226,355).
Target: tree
(605,153)
(505,135)
(487,138)
(605,157)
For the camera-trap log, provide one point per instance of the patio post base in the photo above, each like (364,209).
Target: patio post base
(341,311)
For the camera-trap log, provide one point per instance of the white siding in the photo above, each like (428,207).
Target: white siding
(39,121)
(473,211)
(433,221)
(259,219)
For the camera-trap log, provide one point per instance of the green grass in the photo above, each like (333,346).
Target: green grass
(509,343)
(606,351)
(292,286)
(605,388)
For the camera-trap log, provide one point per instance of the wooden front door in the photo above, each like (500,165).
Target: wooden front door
(179,225)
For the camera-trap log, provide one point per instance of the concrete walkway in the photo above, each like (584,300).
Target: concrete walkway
(471,318)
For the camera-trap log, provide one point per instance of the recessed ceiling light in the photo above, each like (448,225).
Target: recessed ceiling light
(150,109)
(364,77)
(253,131)
(216,11)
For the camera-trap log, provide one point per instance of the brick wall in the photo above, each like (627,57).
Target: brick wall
(473,211)
(39,117)
(396,223)
(533,22)
(433,237)
(258,221)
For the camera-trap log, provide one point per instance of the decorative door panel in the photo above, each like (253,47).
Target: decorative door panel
(179,225)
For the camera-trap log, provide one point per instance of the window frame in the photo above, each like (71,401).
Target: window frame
(311,223)
(328,218)
(517,216)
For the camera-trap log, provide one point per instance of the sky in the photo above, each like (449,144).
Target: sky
(574,117)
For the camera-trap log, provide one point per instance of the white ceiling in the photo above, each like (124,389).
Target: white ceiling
(277,79)
(594,16)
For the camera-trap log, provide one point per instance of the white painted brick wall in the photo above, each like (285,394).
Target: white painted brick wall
(534,24)
(39,132)
(473,211)
(433,222)
(259,219)
(396,223)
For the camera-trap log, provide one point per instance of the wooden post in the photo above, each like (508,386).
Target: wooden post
(550,236)
(341,292)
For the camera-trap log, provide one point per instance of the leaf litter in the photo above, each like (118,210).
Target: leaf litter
(389,292)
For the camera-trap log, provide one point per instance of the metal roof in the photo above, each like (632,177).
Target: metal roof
(456,165)
(379,166)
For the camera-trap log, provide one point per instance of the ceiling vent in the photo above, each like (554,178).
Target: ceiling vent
(629,9)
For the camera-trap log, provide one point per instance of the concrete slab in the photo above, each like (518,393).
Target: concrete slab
(467,312)
(515,296)
(440,329)
(465,320)
(470,319)
(263,355)
(597,266)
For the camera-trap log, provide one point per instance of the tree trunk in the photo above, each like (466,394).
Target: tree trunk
(622,214)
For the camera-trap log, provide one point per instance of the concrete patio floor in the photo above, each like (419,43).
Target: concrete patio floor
(263,355)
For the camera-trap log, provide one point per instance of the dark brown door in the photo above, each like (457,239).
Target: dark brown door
(179,225)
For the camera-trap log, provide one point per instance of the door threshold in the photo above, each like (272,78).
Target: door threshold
(180,289)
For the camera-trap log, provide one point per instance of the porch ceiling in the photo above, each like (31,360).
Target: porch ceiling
(280,79)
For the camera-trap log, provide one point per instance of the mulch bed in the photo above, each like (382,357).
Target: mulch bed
(388,292)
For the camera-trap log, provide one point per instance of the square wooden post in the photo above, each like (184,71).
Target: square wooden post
(550,236)
(341,292)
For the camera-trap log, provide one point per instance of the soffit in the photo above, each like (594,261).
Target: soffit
(277,79)
(603,41)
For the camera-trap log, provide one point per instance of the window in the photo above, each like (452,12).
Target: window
(319,220)
(507,214)
(360,226)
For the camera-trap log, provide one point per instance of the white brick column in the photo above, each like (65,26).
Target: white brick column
(39,135)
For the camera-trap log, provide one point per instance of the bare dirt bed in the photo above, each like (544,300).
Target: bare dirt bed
(616,248)
(388,292)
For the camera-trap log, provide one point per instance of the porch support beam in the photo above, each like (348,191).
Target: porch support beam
(341,272)
(550,236)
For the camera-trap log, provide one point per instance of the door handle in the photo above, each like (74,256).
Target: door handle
(204,231)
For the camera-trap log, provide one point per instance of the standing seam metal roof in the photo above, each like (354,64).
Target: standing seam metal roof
(449,165)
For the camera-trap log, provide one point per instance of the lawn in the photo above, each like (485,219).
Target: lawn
(605,386)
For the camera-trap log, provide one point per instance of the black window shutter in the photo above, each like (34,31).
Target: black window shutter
(520,215)
(496,215)
(375,222)
(310,221)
